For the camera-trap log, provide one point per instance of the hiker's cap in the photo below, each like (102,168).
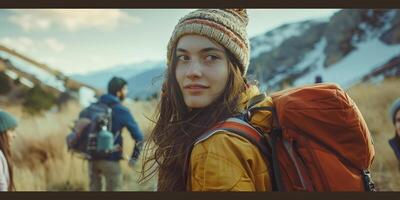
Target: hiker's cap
(227,27)
(7,121)
(394,109)
(116,84)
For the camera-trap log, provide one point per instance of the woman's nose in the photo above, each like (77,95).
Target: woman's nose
(194,70)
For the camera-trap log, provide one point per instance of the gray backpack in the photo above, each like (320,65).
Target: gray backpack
(91,135)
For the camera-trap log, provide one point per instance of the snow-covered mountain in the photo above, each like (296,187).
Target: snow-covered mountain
(272,39)
(345,49)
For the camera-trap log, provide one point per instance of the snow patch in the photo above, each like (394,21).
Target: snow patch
(314,57)
(370,32)
(11,74)
(272,39)
(44,76)
(26,82)
(352,68)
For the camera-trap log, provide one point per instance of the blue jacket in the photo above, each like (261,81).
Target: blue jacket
(121,117)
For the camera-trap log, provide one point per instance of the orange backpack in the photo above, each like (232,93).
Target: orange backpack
(319,140)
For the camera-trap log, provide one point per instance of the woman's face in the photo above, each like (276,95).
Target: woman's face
(201,70)
(397,123)
(11,135)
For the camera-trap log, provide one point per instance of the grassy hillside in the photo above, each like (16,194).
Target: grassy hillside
(42,162)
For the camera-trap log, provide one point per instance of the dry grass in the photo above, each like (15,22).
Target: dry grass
(374,102)
(42,162)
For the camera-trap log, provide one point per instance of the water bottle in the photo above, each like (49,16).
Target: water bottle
(105,140)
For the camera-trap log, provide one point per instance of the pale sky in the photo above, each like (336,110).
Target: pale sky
(82,40)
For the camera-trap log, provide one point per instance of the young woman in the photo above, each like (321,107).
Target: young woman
(208,56)
(395,117)
(7,125)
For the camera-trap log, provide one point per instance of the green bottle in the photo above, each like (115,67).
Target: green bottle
(105,140)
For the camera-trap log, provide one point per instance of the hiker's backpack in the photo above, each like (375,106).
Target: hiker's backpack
(91,134)
(319,140)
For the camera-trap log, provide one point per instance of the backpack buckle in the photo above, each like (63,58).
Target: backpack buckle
(369,184)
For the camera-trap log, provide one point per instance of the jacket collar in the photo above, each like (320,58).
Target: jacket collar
(109,99)
(245,96)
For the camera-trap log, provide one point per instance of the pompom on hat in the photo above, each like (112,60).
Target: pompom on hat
(227,27)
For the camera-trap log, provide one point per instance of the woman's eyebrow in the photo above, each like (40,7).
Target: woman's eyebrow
(211,49)
(181,50)
(202,51)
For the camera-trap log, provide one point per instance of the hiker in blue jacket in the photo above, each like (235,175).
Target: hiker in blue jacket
(121,117)
(395,117)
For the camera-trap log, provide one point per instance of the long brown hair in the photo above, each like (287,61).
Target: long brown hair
(5,148)
(177,126)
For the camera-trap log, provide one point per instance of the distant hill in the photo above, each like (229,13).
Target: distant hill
(99,79)
(146,84)
(140,77)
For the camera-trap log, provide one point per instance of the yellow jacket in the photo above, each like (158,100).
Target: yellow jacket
(228,162)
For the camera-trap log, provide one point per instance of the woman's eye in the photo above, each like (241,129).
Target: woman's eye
(183,58)
(211,57)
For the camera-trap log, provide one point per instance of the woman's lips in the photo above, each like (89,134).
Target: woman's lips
(195,88)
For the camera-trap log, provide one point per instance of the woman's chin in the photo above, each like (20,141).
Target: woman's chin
(195,104)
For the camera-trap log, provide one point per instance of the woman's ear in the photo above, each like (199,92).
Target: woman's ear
(246,83)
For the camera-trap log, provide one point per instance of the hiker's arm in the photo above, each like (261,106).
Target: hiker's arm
(132,126)
(135,132)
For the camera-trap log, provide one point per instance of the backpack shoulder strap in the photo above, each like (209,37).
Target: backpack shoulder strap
(239,127)
(242,128)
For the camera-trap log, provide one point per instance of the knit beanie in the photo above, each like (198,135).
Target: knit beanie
(227,27)
(116,84)
(393,109)
(7,121)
